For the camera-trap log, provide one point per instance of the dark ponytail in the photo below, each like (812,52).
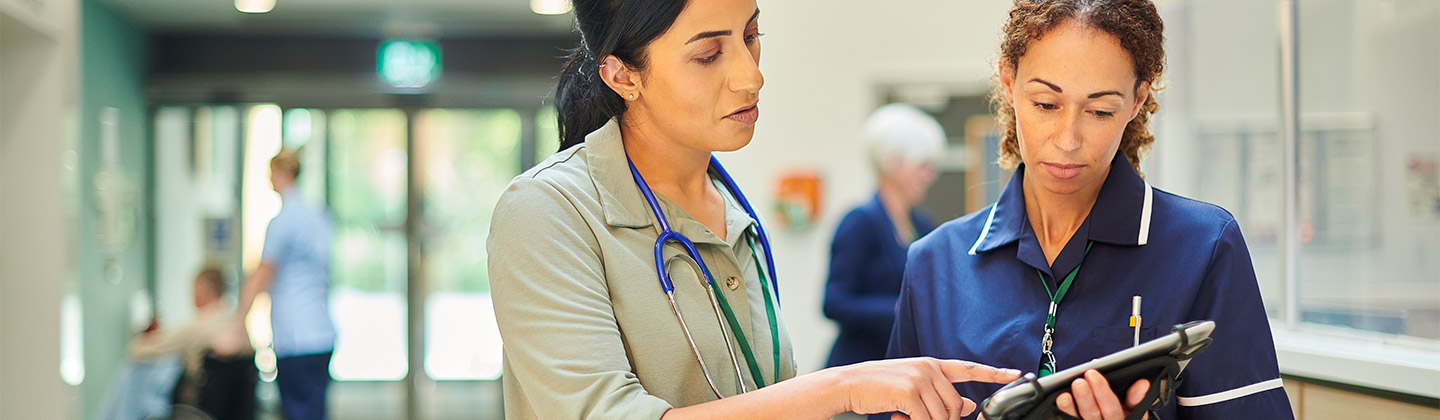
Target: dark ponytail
(623,28)
(583,103)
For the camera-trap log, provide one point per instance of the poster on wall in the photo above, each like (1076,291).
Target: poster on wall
(1337,156)
(1422,182)
(219,241)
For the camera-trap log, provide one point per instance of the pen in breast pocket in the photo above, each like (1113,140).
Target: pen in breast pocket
(1135,317)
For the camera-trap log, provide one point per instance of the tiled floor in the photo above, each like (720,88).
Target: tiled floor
(470,400)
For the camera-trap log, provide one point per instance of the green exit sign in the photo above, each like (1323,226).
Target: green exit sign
(408,64)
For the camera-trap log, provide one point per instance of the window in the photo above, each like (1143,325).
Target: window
(1367,228)
(1222,101)
(1369,198)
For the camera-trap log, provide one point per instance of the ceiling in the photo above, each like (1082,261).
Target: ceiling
(351,18)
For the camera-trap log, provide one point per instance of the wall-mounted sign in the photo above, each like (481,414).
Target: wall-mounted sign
(219,241)
(797,198)
(408,64)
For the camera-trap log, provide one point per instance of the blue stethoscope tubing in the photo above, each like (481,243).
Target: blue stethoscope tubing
(668,235)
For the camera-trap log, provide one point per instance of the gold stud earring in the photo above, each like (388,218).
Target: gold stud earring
(632,96)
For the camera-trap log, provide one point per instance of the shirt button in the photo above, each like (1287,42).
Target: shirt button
(733,283)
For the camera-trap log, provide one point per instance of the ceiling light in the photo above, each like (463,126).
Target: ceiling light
(548,7)
(255,6)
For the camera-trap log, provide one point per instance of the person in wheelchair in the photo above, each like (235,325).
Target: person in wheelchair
(219,374)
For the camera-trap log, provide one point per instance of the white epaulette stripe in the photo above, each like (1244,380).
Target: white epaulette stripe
(1240,392)
(986,230)
(1145,214)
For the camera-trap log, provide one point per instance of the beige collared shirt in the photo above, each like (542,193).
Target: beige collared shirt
(588,332)
(214,329)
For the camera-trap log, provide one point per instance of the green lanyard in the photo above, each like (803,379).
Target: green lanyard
(1047,359)
(740,334)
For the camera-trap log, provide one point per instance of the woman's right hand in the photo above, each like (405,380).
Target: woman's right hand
(921,387)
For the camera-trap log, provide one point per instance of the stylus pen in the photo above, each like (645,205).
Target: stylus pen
(1135,317)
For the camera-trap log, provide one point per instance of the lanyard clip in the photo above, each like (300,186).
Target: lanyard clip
(1047,364)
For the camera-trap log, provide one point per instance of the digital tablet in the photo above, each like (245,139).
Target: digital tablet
(1160,360)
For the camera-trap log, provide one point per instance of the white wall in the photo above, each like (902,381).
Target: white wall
(179,240)
(195,155)
(38,55)
(821,63)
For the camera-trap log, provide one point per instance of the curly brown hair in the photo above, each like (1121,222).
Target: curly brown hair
(1134,22)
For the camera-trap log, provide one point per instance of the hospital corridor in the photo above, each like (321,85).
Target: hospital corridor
(629,209)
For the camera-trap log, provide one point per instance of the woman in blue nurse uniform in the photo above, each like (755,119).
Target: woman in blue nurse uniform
(1078,226)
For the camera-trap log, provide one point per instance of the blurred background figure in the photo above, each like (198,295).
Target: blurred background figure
(295,270)
(867,256)
(217,374)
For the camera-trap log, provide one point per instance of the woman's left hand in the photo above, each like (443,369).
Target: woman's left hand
(1090,398)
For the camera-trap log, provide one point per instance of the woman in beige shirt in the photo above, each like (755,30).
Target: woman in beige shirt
(588,332)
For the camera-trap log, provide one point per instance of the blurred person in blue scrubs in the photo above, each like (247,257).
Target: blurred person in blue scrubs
(867,256)
(295,270)
(1005,286)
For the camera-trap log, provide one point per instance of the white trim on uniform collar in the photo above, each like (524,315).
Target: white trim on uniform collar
(1223,396)
(1143,238)
(986,231)
(1145,214)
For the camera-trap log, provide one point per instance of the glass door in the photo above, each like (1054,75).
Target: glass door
(367,173)
(468,157)
(410,193)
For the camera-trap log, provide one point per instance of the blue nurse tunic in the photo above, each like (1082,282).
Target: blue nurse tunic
(973,291)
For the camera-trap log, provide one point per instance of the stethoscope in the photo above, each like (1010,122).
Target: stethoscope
(668,235)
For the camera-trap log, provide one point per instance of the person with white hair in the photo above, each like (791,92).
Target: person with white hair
(867,256)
